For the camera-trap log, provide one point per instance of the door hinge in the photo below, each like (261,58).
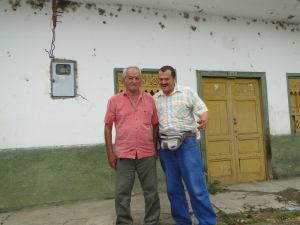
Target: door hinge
(231,74)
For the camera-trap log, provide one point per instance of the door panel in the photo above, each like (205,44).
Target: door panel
(234,135)
(246,112)
(248,145)
(219,134)
(220,125)
(222,170)
(248,129)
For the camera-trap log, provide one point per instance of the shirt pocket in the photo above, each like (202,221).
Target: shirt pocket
(180,111)
(145,117)
(162,115)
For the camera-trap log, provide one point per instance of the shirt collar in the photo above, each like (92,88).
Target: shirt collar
(140,93)
(177,88)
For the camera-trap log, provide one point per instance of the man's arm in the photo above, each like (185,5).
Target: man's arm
(112,158)
(203,121)
(155,134)
(200,109)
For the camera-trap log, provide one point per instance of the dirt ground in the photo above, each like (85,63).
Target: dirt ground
(286,196)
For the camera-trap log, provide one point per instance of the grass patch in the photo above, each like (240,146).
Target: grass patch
(256,220)
(238,218)
(231,218)
(287,215)
(244,218)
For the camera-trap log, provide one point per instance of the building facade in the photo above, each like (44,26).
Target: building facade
(52,147)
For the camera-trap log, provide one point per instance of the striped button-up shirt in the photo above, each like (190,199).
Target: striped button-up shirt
(175,112)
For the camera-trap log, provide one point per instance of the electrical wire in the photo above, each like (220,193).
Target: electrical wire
(52,45)
(54,19)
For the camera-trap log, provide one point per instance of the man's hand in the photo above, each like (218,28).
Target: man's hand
(112,160)
(203,121)
(202,124)
(155,134)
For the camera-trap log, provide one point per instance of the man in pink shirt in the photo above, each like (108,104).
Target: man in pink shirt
(133,112)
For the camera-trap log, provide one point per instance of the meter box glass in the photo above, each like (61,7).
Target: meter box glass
(63,79)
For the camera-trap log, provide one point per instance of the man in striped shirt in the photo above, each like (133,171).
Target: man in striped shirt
(176,106)
(133,112)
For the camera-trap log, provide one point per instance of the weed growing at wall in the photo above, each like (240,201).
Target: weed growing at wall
(213,187)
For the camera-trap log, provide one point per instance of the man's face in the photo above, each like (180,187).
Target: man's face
(166,82)
(132,80)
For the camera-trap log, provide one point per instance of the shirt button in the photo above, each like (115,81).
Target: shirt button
(136,128)
(135,110)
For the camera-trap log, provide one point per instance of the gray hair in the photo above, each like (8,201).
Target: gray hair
(125,73)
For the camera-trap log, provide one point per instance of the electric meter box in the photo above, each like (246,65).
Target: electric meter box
(63,79)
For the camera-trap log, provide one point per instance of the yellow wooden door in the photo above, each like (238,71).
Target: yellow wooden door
(219,133)
(248,131)
(234,135)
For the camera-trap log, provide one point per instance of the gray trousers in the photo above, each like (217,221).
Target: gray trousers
(125,175)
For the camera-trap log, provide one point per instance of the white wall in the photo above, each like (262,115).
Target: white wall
(30,118)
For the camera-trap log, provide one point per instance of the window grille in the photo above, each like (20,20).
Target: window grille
(294,87)
(149,83)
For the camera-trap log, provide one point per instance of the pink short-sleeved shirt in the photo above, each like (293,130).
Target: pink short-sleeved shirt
(133,125)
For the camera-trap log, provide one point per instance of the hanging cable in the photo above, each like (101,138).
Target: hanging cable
(54,19)
(52,45)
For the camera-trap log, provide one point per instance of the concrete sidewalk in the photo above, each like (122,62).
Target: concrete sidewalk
(241,197)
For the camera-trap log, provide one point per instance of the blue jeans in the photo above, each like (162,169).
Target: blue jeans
(185,162)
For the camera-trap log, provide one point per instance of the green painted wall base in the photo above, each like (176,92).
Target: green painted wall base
(31,177)
(285,155)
